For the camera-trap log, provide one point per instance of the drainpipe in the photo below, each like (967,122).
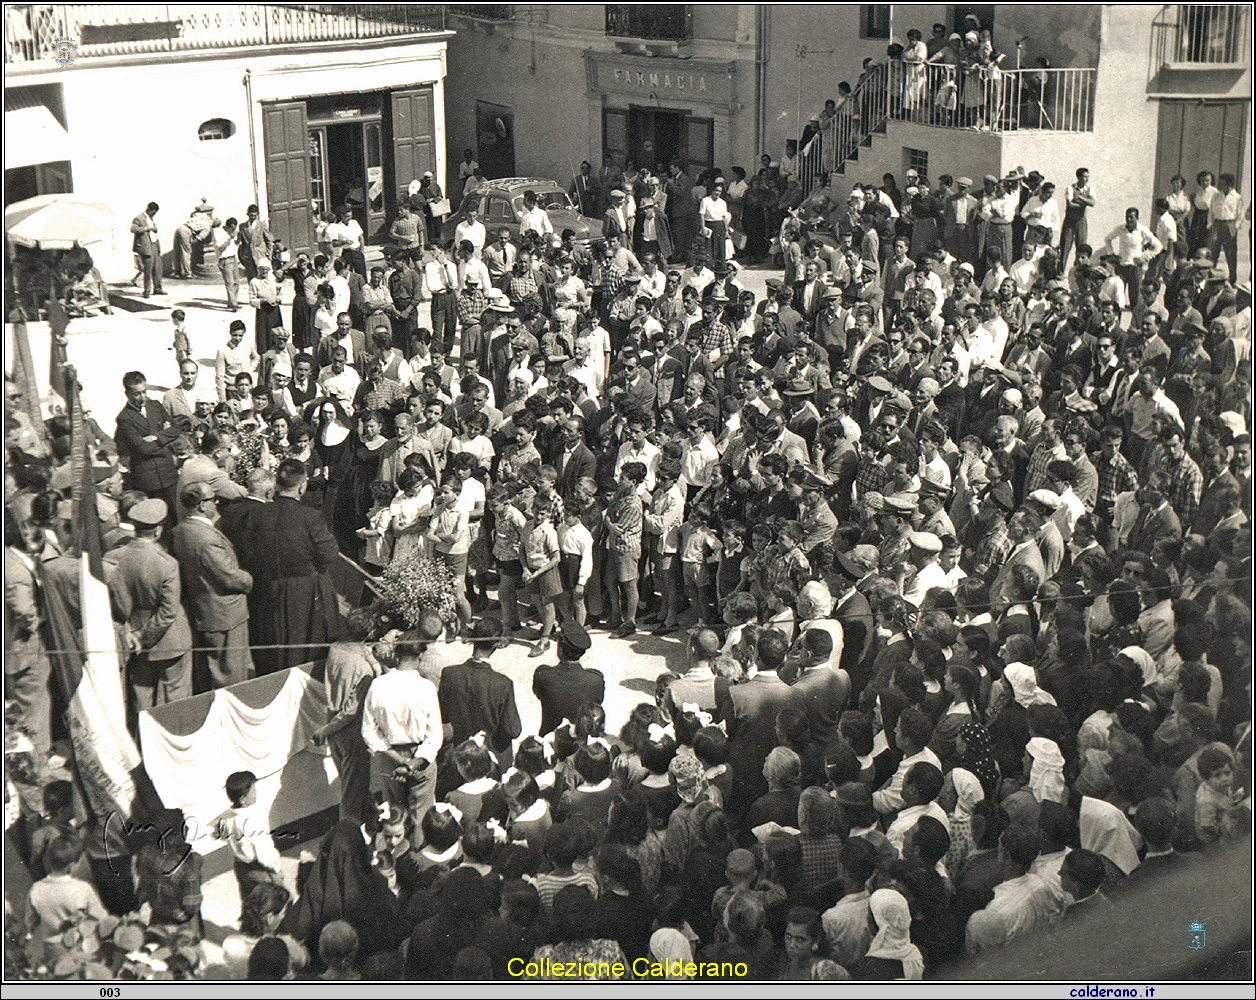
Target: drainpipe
(248,97)
(764,12)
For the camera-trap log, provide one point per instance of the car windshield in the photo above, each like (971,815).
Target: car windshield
(547,200)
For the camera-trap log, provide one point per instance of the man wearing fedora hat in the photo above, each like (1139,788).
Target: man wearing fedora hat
(147,591)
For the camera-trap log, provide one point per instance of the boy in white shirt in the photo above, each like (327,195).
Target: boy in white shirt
(575,543)
(247,833)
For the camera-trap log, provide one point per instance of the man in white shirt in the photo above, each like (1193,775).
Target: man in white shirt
(533,219)
(653,281)
(1042,216)
(402,727)
(1223,215)
(500,256)
(1136,245)
(912,735)
(986,344)
(472,230)
(999,204)
(637,448)
(924,552)
(470,266)
(340,380)
(1025,271)
(224,240)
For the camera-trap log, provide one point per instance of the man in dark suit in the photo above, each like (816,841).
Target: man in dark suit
(147,247)
(144,435)
(345,336)
(147,591)
(476,698)
(239,523)
(750,711)
(821,689)
(562,689)
(217,590)
(809,293)
(297,550)
(852,610)
(572,459)
(1214,501)
(1156,517)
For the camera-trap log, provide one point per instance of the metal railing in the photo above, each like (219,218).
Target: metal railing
(995,100)
(1055,100)
(1189,34)
(863,111)
(659,22)
(38,32)
(481,11)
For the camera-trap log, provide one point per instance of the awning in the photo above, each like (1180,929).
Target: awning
(33,135)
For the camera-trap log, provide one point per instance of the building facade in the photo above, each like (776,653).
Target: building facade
(297,110)
(1135,92)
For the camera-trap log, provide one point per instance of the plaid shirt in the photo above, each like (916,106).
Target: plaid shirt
(612,279)
(1036,477)
(627,513)
(1186,483)
(872,475)
(1116,475)
(521,286)
(379,397)
(992,549)
(715,337)
(471,304)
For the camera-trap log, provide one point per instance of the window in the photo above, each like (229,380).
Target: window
(216,128)
(874,20)
(499,210)
(615,135)
(917,160)
(661,22)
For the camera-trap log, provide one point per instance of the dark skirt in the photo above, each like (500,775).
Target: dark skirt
(302,323)
(268,317)
(306,618)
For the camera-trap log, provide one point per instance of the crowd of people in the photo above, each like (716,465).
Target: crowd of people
(953,540)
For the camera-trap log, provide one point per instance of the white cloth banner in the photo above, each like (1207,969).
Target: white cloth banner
(189,772)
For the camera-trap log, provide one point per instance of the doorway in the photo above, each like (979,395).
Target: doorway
(655,138)
(347,171)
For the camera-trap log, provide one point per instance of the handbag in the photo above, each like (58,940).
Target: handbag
(439,207)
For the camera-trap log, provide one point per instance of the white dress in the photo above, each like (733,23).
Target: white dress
(406,512)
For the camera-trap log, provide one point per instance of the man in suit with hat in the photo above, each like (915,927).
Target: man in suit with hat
(614,221)
(851,607)
(217,591)
(146,589)
(563,688)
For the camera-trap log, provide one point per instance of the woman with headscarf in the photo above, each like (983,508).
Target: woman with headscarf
(1009,730)
(968,793)
(344,886)
(1045,766)
(891,955)
(1106,831)
(670,948)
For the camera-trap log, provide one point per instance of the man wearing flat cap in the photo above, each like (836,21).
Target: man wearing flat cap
(217,591)
(897,511)
(562,689)
(851,607)
(146,589)
(959,222)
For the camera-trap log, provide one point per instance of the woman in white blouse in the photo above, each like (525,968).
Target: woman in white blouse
(716,219)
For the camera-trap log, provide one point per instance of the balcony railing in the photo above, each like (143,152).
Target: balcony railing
(661,22)
(38,32)
(1206,36)
(1054,100)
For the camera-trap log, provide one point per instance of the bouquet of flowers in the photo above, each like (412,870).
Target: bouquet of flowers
(414,584)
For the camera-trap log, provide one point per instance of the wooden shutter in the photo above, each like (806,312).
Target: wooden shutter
(414,135)
(699,145)
(287,143)
(1197,136)
(615,136)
